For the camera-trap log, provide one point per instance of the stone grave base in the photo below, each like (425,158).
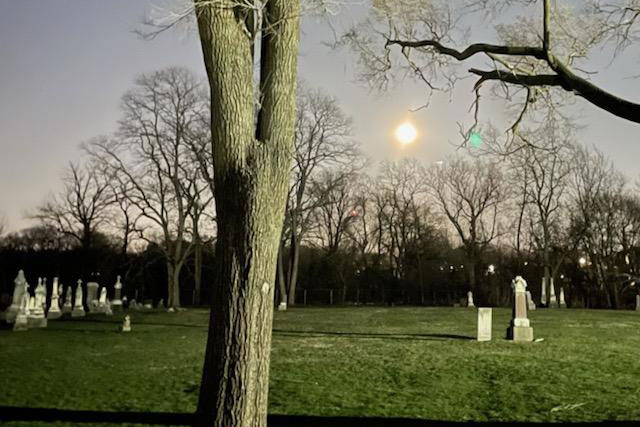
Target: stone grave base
(78,312)
(37,322)
(21,323)
(52,315)
(520,333)
(282,306)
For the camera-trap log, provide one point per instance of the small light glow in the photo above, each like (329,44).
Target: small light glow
(475,139)
(626,259)
(406,133)
(582,261)
(491,269)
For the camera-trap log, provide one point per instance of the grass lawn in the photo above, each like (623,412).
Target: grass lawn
(358,361)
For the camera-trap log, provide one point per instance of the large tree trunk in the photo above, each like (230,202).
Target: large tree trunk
(251,167)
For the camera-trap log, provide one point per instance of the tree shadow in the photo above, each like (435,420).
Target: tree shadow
(374,335)
(13,413)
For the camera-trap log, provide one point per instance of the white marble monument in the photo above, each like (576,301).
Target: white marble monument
(67,307)
(484,323)
(530,304)
(22,318)
(36,317)
(102,301)
(470,299)
(553,302)
(116,302)
(126,324)
(78,309)
(543,293)
(519,329)
(54,309)
(561,302)
(92,297)
(20,288)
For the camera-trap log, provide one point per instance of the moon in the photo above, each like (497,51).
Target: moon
(406,133)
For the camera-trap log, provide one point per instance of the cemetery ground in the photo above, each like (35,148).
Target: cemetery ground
(413,362)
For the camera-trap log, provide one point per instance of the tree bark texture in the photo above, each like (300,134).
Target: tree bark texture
(251,167)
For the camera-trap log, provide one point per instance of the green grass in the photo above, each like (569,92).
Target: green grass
(358,361)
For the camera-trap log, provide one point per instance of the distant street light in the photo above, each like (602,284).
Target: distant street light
(582,261)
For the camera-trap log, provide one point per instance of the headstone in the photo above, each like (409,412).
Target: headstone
(78,309)
(92,296)
(22,317)
(470,299)
(530,304)
(561,301)
(147,303)
(44,294)
(133,305)
(161,304)
(68,307)
(102,302)
(116,302)
(484,323)
(282,306)
(553,302)
(20,288)
(36,318)
(126,324)
(107,309)
(543,293)
(54,309)
(41,295)
(519,328)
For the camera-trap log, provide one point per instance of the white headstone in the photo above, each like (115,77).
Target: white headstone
(519,329)
(116,301)
(484,323)
(561,301)
(553,302)
(543,293)
(530,304)
(102,302)
(470,299)
(22,318)
(78,308)
(36,318)
(67,307)
(282,306)
(19,290)
(126,324)
(54,309)
(92,296)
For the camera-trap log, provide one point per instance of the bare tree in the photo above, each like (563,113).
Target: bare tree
(470,193)
(252,149)
(82,205)
(600,223)
(322,140)
(152,159)
(540,46)
(546,166)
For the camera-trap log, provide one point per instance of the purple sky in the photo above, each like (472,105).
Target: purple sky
(64,65)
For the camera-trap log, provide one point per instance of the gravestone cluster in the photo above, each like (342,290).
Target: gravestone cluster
(32,311)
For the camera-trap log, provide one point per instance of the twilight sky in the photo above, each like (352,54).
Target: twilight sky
(64,64)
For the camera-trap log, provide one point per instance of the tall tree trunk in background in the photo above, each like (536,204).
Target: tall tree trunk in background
(294,259)
(197,267)
(173,288)
(282,285)
(251,165)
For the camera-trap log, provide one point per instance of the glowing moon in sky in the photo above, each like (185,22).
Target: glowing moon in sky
(406,133)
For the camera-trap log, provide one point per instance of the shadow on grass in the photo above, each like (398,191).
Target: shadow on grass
(13,413)
(433,337)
